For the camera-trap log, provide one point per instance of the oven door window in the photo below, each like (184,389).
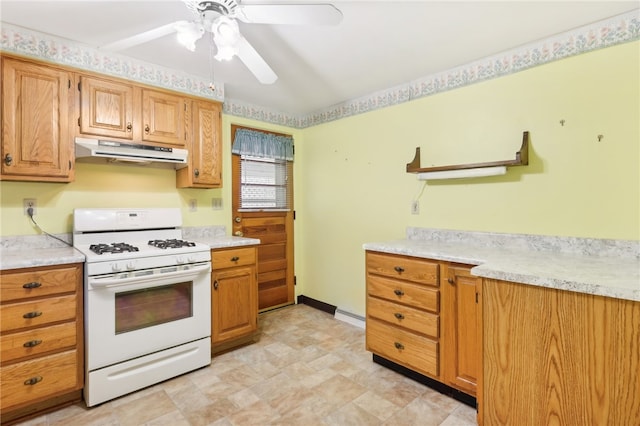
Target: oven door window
(153,306)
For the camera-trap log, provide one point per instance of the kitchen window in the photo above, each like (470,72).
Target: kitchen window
(265,168)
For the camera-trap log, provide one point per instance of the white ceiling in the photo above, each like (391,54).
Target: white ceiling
(378,44)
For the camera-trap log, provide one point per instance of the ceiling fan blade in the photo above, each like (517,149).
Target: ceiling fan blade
(141,38)
(252,59)
(290,14)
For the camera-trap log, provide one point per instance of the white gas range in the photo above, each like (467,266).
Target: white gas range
(147,299)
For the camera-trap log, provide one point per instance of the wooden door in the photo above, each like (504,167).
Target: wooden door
(107,108)
(36,140)
(461,343)
(274,229)
(163,118)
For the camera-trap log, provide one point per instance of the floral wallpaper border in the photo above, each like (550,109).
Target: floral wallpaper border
(65,52)
(620,29)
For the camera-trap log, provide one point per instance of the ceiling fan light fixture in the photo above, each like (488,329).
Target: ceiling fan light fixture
(226,52)
(188,33)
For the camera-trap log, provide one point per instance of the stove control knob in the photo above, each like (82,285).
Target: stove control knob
(131,266)
(179,260)
(115,267)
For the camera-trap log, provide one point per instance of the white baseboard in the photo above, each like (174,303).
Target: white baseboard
(350,318)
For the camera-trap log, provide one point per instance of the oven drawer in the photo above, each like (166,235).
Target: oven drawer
(403,316)
(417,296)
(402,267)
(38,378)
(403,347)
(36,313)
(221,259)
(40,340)
(37,283)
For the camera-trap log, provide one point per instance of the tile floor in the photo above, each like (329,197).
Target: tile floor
(307,369)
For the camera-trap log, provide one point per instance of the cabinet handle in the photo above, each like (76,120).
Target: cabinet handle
(32,314)
(399,345)
(196,172)
(146,128)
(399,269)
(238,233)
(398,315)
(215,285)
(8,159)
(32,343)
(129,127)
(451,281)
(32,381)
(399,292)
(33,284)
(235,258)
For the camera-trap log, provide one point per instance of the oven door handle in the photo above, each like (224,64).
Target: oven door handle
(118,282)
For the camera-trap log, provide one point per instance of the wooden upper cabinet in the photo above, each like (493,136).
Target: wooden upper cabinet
(106,108)
(462,361)
(205,148)
(36,141)
(163,117)
(119,110)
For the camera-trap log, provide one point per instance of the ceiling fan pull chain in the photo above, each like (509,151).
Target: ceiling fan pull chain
(212,84)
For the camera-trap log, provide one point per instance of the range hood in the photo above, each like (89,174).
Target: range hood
(96,150)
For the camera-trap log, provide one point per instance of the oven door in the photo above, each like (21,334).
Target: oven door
(141,312)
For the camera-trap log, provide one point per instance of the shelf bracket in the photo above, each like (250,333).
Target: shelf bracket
(522,159)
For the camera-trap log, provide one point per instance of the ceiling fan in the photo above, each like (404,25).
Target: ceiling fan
(219,19)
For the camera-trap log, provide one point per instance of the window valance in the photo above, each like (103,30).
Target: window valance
(260,144)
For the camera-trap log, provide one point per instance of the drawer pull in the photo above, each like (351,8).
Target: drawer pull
(398,269)
(399,346)
(399,315)
(32,314)
(399,292)
(451,281)
(235,258)
(32,343)
(33,284)
(32,381)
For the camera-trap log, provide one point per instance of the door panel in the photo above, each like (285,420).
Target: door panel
(274,229)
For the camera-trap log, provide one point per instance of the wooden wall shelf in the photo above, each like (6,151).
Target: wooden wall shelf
(522,159)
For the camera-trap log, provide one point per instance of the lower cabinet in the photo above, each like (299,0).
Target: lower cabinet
(41,340)
(234,297)
(425,315)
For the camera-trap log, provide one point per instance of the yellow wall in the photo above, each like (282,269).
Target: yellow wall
(351,186)
(356,189)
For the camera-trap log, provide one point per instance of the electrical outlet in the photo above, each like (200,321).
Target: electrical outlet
(216,203)
(29,203)
(193,205)
(415,207)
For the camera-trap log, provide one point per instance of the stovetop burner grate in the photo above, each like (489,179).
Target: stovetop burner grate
(171,243)
(112,248)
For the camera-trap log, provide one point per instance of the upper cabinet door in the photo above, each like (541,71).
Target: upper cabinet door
(106,108)
(205,148)
(163,118)
(36,140)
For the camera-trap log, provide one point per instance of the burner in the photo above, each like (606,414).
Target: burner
(112,248)
(172,243)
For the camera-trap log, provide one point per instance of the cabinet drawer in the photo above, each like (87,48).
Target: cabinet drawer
(43,312)
(402,267)
(417,296)
(403,316)
(235,257)
(48,375)
(411,350)
(43,282)
(37,341)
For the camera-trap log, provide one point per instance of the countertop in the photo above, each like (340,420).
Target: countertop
(35,251)
(611,276)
